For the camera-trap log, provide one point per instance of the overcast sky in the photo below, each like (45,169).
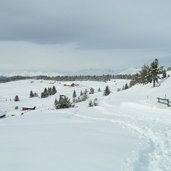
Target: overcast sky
(52,35)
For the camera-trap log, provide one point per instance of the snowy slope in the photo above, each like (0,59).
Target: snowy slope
(128,131)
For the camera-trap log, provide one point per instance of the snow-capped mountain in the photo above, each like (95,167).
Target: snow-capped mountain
(131,70)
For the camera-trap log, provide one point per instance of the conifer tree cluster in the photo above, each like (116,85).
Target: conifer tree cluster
(48,92)
(82,97)
(149,74)
(125,87)
(63,102)
(33,94)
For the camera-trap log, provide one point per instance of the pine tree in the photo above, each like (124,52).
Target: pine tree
(90,104)
(84,97)
(36,95)
(99,90)
(155,71)
(74,97)
(81,93)
(106,91)
(54,90)
(16,99)
(91,91)
(123,88)
(55,102)
(144,75)
(164,74)
(126,86)
(50,91)
(46,92)
(31,94)
(43,95)
(74,94)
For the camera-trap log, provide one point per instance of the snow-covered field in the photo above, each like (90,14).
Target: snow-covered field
(127,131)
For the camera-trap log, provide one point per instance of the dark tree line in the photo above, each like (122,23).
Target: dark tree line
(82,97)
(68,78)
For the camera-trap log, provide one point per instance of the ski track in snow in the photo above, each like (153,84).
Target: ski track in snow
(158,154)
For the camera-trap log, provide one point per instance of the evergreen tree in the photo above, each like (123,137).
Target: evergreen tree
(46,92)
(16,108)
(99,90)
(16,99)
(54,90)
(126,86)
(81,93)
(144,75)
(164,74)
(84,97)
(43,95)
(50,91)
(90,104)
(74,97)
(123,88)
(56,102)
(36,95)
(106,91)
(155,71)
(74,94)
(31,94)
(91,91)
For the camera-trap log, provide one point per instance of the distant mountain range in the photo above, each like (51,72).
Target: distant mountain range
(79,72)
(130,71)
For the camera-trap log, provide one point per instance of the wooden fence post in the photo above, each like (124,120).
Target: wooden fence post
(168,102)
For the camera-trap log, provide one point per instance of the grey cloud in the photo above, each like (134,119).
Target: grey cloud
(80,34)
(94,24)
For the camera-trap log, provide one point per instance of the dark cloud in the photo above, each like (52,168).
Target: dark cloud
(94,24)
